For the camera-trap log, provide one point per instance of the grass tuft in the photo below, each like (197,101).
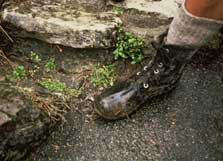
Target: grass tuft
(103,76)
(128,46)
(59,87)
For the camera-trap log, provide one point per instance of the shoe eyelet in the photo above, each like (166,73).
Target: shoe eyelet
(150,63)
(138,73)
(145,85)
(160,65)
(167,50)
(145,68)
(156,71)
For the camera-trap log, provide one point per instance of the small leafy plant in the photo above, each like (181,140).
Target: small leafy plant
(128,46)
(19,72)
(35,57)
(118,10)
(103,76)
(50,65)
(53,85)
(60,87)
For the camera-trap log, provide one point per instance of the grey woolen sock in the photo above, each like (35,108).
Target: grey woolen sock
(187,29)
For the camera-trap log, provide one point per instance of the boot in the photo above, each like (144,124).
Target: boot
(160,76)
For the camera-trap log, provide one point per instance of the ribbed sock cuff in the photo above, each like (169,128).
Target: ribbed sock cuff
(187,29)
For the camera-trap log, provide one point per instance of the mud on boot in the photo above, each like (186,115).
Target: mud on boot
(160,76)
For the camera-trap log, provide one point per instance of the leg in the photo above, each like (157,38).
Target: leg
(196,22)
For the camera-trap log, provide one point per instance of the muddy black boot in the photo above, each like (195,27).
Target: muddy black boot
(160,76)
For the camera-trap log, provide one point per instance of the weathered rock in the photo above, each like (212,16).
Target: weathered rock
(22,125)
(3,118)
(61,23)
(145,25)
(165,7)
(84,24)
(92,5)
(148,18)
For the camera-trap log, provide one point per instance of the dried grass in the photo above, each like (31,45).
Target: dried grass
(53,108)
(6,34)
(3,58)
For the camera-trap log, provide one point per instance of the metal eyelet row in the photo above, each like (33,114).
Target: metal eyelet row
(156,71)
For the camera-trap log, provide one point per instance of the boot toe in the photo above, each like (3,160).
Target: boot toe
(110,107)
(113,105)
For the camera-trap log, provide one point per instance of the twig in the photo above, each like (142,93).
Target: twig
(7,35)
(54,112)
(2,54)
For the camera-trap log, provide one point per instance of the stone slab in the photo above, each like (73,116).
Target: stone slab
(74,24)
(165,7)
(22,124)
(13,106)
(145,25)
(60,24)
(148,18)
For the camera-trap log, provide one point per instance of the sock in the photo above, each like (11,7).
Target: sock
(187,29)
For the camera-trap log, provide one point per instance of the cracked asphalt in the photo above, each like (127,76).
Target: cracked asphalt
(185,125)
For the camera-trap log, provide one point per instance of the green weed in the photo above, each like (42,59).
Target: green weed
(59,87)
(128,46)
(35,57)
(103,76)
(50,65)
(19,72)
(118,10)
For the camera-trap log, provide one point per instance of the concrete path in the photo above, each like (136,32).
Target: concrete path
(184,125)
